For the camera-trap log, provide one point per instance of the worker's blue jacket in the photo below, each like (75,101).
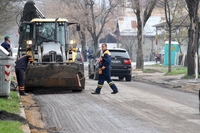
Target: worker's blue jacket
(105,61)
(6,46)
(22,63)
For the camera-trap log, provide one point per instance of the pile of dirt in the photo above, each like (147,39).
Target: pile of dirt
(6,116)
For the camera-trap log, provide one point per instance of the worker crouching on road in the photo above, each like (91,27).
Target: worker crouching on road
(104,71)
(20,69)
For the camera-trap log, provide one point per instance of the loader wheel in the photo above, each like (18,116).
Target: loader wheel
(91,76)
(76,90)
(28,89)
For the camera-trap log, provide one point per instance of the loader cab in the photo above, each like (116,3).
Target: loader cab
(46,37)
(48,31)
(43,37)
(26,34)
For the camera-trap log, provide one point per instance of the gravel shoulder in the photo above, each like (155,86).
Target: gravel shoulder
(33,115)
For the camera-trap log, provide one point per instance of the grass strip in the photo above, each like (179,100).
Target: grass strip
(177,71)
(10,127)
(10,121)
(10,104)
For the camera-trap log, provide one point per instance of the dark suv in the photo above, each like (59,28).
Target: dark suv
(120,64)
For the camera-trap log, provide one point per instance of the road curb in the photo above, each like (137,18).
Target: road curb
(25,126)
(173,84)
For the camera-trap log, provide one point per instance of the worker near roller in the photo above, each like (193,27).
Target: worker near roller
(20,70)
(104,71)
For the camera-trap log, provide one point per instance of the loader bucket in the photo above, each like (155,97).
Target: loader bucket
(56,76)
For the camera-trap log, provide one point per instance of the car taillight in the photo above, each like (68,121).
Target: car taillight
(127,62)
(82,59)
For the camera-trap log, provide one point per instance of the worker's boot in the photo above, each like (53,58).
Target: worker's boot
(97,91)
(22,93)
(114,88)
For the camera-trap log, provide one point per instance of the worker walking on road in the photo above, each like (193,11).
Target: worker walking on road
(20,69)
(104,71)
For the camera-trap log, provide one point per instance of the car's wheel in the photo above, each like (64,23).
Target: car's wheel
(76,90)
(91,76)
(121,77)
(128,78)
(96,75)
(199,101)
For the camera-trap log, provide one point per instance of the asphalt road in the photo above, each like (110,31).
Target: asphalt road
(137,108)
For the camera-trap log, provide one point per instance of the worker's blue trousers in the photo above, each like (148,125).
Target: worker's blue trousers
(20,74)
(102,78)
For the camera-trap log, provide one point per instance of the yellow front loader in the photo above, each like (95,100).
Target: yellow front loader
(47,40)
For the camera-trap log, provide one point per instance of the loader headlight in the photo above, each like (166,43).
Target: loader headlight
(29,42)
(72,42)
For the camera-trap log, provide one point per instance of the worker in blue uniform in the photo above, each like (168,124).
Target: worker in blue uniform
(20,69)
(104,71)
(6,44)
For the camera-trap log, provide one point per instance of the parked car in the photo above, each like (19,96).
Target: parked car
(14,52)
(159,56)
(120,64)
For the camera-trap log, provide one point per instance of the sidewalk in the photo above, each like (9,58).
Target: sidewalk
(190,85)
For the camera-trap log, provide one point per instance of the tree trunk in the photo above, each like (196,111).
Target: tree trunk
(169,20)
(96,47)
(146,13)
(190,51)
(192,34)
(139,61)
(83,44)
(169,52)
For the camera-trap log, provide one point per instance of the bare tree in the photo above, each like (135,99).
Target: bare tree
(176,24)
(93,17)
(181,36)
(8,12)
(193,6)
(128,43)
(170,9)
(142,17)
(53,8)
(181,23)
(96,20)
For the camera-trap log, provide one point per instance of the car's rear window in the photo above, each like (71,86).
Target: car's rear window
(78,56)
(119,53)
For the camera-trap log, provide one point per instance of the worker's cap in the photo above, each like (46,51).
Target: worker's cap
(6,37)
